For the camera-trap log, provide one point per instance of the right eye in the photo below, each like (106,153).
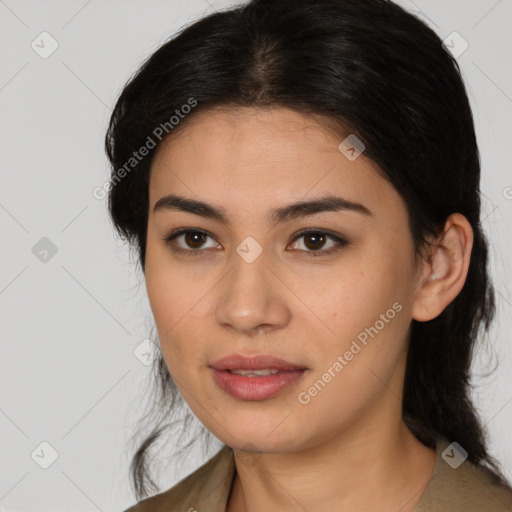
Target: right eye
(194,238)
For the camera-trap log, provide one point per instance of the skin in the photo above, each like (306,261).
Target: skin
(348,448)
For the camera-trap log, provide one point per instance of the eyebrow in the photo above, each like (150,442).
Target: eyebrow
(293,211)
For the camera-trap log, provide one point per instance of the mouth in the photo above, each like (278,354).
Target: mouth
(254,386)
(255,378)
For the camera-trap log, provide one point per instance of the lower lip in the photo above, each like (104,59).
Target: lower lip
(255,388)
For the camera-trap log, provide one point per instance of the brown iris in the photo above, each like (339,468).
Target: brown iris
(318,240)
(195,237)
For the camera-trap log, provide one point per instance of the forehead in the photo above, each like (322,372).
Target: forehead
(258,158)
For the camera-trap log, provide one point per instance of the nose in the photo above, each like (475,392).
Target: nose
(253,298)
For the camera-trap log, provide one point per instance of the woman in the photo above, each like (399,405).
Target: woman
(301,183)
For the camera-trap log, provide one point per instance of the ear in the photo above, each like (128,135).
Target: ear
(445,269)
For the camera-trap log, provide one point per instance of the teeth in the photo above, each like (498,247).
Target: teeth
(255,373)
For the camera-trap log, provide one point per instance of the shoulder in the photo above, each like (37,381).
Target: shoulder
(207,488)
(463,487)
(473,489)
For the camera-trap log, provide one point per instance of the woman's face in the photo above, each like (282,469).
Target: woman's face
(251,285)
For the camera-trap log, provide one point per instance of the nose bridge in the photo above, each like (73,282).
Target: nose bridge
(251,296)
(249,262)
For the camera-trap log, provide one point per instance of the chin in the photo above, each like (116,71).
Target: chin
(254,438)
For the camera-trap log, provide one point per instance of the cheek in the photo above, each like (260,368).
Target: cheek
(178,310)
(167,303)
(365,313)
(354,295)
(167,293)
(163,301)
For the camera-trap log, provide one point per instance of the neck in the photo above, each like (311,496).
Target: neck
(368,467)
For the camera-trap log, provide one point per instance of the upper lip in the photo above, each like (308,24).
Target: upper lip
(257,362)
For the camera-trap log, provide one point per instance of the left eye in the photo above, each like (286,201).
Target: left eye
(315,240)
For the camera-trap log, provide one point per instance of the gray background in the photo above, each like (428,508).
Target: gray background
(70,324)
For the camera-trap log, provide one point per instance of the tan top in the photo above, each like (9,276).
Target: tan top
(467,488)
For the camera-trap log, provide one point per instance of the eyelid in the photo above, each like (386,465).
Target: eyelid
(339,239)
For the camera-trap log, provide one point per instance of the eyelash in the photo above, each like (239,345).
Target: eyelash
(197,252)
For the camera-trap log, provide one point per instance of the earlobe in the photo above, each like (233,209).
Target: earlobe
(445,270)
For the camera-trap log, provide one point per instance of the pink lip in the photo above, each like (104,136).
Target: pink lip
(258,362)
(257,387)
